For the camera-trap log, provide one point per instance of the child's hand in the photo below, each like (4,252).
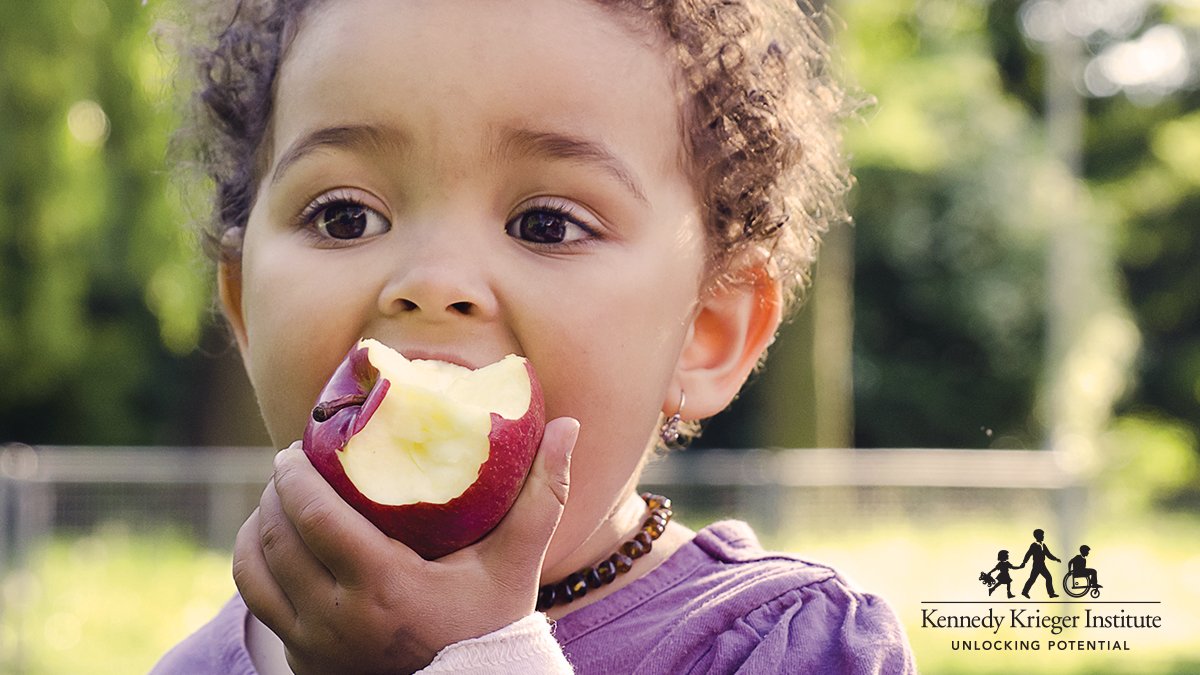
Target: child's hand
(345,598)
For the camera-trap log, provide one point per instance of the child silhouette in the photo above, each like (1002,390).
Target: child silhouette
(1002,576)
(1079,569)
(629,194)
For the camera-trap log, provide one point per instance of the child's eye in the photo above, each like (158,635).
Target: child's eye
(343,218)
(548,224)
(347,220)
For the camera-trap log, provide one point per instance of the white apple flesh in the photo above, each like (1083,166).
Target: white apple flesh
(433,453)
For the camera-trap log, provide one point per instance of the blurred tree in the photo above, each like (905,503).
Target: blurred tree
(956,172)
(1138,158)
(949,330)
(104,301)
(102,298)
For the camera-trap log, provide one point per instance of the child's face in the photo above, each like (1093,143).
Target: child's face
(465,179)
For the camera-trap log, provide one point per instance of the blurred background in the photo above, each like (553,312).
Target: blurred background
(1007,338)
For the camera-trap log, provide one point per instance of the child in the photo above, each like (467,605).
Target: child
(1002,567)
(626,192)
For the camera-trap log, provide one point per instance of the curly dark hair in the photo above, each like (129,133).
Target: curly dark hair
(761,118)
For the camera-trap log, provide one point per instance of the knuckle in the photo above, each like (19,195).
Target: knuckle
(272,534)
(242,571)
(559,488)
(313,514)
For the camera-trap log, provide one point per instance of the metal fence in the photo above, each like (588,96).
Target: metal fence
(209,491)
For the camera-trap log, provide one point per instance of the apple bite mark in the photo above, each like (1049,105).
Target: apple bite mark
(431,452)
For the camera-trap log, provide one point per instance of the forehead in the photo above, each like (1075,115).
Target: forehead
(444,69)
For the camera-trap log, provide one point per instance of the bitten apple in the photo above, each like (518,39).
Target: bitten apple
(433,453)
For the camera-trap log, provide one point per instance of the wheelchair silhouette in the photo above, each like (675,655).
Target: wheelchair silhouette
(1077,587)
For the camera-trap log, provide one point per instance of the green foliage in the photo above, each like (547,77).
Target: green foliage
(1140,170)
(955,176)
(1158,202)
(948,253)
(103,296)
(1149,459)
(100,292)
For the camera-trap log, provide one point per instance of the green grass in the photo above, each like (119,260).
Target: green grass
(1154,557)
(109,602)
(114,601)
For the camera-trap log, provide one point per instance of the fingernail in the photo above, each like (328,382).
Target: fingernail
(280,457)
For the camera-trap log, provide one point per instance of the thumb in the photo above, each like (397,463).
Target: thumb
(529,524)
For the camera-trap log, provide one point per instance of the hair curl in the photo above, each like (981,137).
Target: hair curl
(761,118)
(762,127)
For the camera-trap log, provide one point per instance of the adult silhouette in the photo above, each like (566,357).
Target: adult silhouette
(1079,568)
(1038,551)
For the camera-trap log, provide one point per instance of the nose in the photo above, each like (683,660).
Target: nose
(439,278)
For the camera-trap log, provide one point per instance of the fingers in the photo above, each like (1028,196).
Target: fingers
(531,521)
(344,541)
(254,581)
(293,565)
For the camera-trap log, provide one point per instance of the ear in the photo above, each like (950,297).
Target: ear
(229,288)
(735,322)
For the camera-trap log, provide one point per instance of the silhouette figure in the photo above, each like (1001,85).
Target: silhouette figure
(1079,569)
(1002,577)
(1039,552)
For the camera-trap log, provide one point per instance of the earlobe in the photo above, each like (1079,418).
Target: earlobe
(733,326)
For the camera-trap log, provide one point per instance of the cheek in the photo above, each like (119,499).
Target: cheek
(611,360)
(299,326)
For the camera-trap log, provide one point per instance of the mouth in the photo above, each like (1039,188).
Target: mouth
(470,361)
(447,357)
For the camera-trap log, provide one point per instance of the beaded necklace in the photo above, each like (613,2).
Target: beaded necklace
(604,572)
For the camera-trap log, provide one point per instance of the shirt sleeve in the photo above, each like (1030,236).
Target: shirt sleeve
(218,648)
(520,648)
(821,628)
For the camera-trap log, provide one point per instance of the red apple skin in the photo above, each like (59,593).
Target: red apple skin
(432,530)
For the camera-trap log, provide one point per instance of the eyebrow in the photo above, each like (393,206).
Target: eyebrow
(515,143)
(518,142)
(367,137)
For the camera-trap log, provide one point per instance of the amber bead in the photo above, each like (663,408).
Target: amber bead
(592,577)
(546,598)
(633,548)
(578,585)
(607,571)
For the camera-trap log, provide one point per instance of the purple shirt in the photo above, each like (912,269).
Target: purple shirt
(720,604)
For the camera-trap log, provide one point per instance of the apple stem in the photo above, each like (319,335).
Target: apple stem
(326,409)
